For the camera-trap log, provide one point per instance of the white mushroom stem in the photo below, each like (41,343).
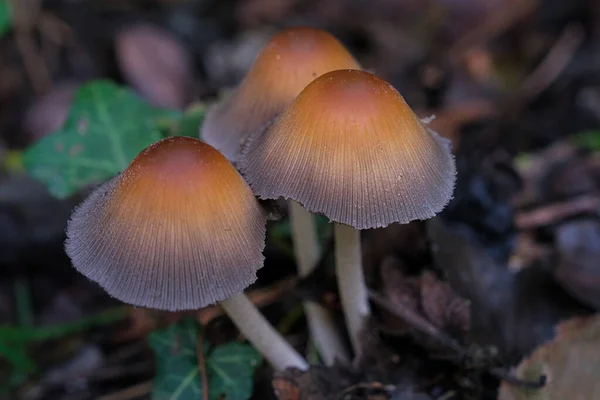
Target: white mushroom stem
(351,280)
(321,324)
(261,334)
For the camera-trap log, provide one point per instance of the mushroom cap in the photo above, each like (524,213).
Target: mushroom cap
(289,62)
(179,229)
(350,148)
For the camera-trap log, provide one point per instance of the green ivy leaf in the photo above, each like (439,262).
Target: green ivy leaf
(231,371)
(587,140)
(106,128)
(190,122)
(230,368)
(6,17)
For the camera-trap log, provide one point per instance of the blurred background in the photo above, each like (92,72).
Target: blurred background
(514,259)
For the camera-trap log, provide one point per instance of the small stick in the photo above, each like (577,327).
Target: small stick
(202,365)
(133,392)
(34,63)
(547,71)
(555,212)
(553,64)
(491,27)
(260,297)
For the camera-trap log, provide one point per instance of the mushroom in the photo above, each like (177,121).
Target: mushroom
(350,148)
(179,229)
(289,62)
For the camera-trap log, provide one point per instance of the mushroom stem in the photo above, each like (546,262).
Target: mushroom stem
(304,237)
(351,280)
(321,325)
(261,334)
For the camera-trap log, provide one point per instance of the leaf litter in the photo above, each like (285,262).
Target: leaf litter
(459,300)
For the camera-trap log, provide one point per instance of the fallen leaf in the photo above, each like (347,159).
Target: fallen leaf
(578,268)
(571,362)
(6,17)
(230,367)
(49,112)
(257,12)
(106,128)
(156,64)
(318,383)
(442,306)
(398,288)
(284,389)
(425,295)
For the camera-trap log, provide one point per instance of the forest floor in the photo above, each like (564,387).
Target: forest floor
(494,298)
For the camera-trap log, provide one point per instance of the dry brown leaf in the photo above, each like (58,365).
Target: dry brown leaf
(425,295)
(571,363)
(285,389)
(442,306)
(156,64)
(578,270)
(318,383)
(49,112)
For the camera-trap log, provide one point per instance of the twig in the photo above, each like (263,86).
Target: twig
(202,365)
(132,392)
(550,67)
(32,60)
(260,297)
(540,79)
(492,27)
(555,212)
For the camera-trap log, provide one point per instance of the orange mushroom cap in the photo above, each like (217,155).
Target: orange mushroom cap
(350,148)
(178,229)
(289,62)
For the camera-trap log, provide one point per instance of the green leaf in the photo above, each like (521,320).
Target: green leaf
(587,140)
(20,361)
(230,368)
(15,342)
(23,335)
(106,128)
(177,375)
(189,124)
(6,17)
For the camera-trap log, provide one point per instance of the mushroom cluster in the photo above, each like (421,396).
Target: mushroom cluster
(181,228)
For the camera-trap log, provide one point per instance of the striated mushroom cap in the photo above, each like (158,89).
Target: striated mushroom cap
(178,229)
(350,148)
(289,62)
